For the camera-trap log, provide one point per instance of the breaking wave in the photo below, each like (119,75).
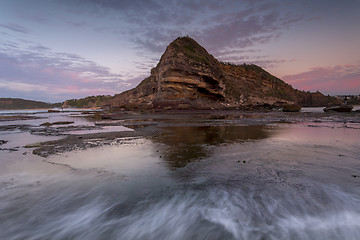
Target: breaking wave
(209,213)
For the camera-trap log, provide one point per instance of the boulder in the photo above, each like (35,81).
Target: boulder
(291,108)
(340,108)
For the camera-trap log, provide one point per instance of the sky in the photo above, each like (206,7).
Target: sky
(54,50)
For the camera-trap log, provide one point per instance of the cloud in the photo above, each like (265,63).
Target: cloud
(231,25)
(152,24)
(340,79)
(247,28)
(15,27)
(39,70)
(103,8)
(20,86)
(37,17)
(36,91)
(217,25)
(77,24)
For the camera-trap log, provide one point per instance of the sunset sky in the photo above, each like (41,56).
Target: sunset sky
(53,50)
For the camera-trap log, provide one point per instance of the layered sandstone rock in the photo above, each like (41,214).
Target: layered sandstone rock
(188,77)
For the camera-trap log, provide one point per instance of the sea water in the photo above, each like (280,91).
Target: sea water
(227,180)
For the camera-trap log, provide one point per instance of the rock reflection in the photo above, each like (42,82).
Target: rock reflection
(184,144)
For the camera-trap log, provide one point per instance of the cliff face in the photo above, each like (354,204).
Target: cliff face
(188,77)
(251,85)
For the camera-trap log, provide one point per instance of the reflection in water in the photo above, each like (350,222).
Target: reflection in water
(184,144)
(297,181)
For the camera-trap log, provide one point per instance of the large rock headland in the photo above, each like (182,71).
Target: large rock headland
(188,77)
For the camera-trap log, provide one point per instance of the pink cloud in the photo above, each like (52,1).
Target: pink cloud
(43,74)
(340,79)
(65,74)
(72,88)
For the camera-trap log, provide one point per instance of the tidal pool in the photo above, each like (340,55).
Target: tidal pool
(230,180)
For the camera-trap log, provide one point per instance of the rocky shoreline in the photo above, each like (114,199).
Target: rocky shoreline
(84,141)
(152,124)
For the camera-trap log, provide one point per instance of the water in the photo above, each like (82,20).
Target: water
(35,111)
(192,180)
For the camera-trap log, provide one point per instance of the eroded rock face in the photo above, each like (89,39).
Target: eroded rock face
(186,73)
(188,77)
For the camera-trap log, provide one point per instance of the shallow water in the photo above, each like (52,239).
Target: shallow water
(265,180)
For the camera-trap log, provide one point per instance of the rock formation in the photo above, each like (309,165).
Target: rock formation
(188,77)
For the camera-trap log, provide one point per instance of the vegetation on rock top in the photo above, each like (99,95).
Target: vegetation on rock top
(87,102)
